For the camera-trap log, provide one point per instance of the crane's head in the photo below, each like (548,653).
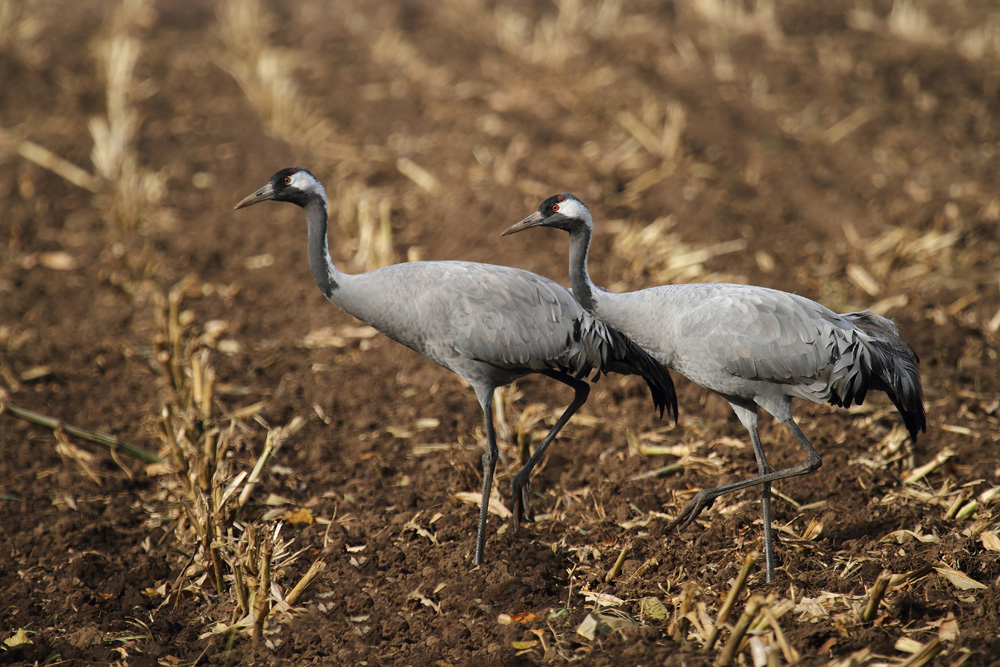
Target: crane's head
(294,184)
(563,211)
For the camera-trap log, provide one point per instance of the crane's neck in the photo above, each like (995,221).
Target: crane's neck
(327,276)
(583,287)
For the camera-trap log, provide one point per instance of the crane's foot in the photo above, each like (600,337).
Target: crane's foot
(520,509)
(701,501)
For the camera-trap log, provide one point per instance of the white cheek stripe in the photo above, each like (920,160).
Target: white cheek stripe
(306,183)
(571,209)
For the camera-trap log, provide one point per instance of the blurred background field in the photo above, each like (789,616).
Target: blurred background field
(846,151)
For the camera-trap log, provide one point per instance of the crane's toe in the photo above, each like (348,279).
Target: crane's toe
(701,501)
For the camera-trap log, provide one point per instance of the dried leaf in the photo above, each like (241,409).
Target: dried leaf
(35,373)
(417,174)
(903,536)
(602,599)
(422,424)
(273,500)
(496,506)
(258,261)
(250,410)
(813,529)
(432,448)
(229,347)
(57,261)
(986,497)
(728,441)
(420,530)
(424,600)
(361,331)
(990,540)
(17,639)
(672,450)
(652,607)
(300,515)
(588,628)
(958,579)
(860,277)
(521,646)
(758,651)
(949,629)
(232,486)
(828,646)
(82,457)
(580,419)
(330,337)
(523,618)
(601,624)
(907,645)
(324,337)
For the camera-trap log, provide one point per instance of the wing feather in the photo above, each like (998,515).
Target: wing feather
(768,335)
(518,319)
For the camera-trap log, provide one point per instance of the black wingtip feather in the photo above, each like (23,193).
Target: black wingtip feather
(894,367)
(656,375)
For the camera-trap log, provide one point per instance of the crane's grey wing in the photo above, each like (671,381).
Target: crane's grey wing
(765,335)
(508,318)
(516,319)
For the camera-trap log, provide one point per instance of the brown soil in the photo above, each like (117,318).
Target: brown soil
(770,154)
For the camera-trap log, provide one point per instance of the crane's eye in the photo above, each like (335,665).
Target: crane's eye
(555,207)
(287,180)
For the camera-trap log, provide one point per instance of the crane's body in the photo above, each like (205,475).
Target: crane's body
(461,315)
(755,346)
(489,324)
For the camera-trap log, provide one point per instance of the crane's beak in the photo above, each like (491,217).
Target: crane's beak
(265,193)
(533,220)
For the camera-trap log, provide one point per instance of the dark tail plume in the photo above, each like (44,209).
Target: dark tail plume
(893,367)
(630,359)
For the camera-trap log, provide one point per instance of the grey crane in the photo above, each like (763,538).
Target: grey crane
(752,345)
(489,324)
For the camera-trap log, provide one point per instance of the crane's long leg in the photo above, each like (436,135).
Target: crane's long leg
(520,485)
(706,497)
(489,465)
(747,413)
(764,468)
